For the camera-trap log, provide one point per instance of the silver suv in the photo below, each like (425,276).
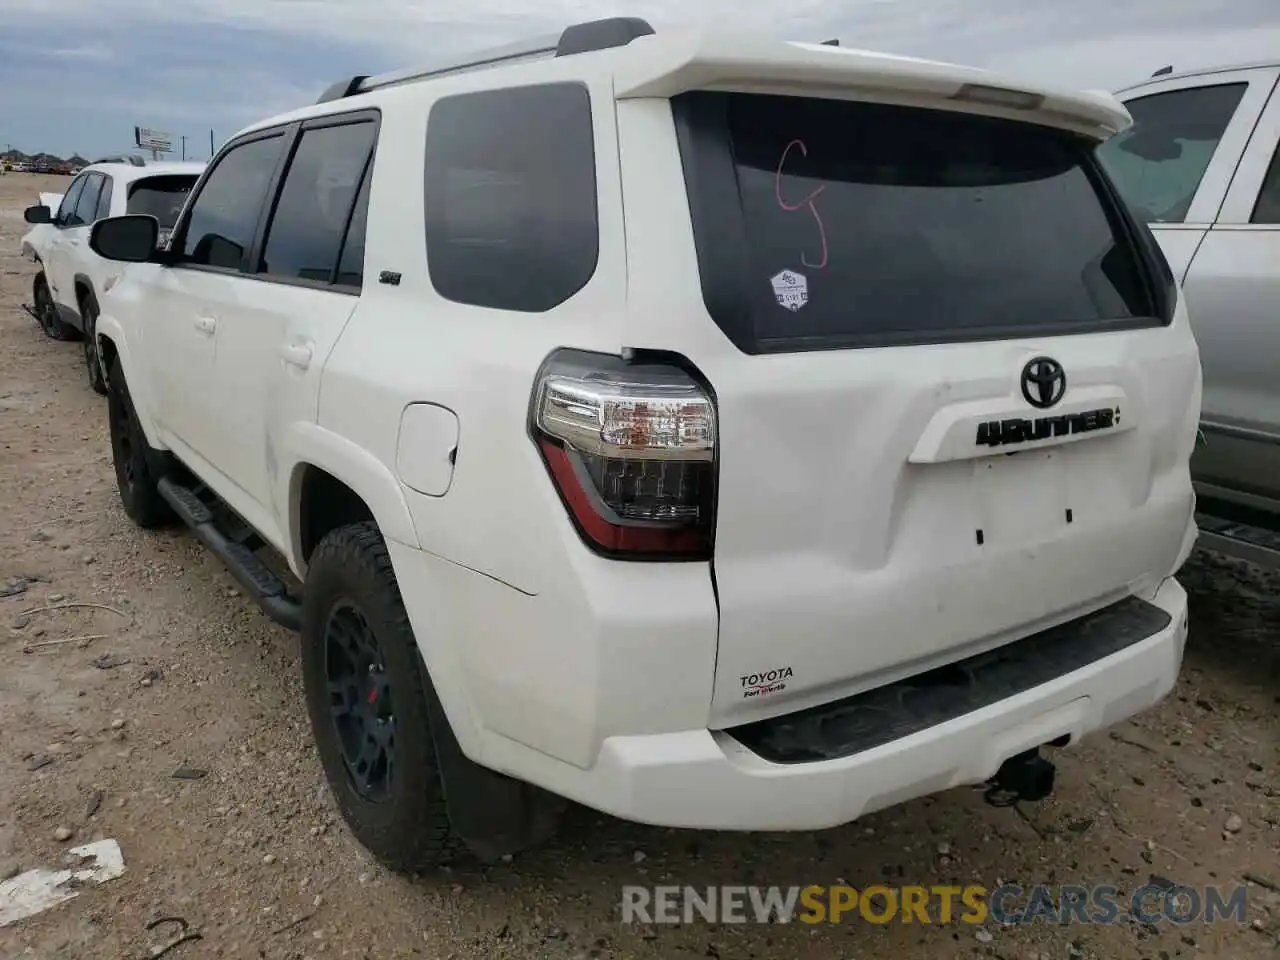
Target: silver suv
(1201,165)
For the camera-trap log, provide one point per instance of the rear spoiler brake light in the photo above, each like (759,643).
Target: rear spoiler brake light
(709,60)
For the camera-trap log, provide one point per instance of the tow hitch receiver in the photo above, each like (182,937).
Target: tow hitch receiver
(1026,776)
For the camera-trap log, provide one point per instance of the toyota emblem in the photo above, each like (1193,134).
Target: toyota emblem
(1043,382)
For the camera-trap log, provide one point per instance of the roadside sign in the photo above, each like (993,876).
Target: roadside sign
(154,140)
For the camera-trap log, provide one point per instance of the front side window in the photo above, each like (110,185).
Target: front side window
(224,215)
(511,196)
(67,209)
(1158,163)
(304,240)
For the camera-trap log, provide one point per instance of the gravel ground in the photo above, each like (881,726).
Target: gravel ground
(177,669)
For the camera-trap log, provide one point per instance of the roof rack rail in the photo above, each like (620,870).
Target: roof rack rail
(580,38)
(343,88)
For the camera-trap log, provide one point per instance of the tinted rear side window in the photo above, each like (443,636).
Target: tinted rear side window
(1267,208)
(826,224)
(104,200)
(160,197)
(304,239)
(511,196)
(351,264)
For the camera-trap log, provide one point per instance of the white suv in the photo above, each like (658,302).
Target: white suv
(72,278)
(716,431)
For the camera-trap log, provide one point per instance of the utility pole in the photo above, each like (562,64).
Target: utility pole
(184,146)
(211,143)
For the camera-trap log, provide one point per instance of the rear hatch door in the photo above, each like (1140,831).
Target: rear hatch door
(954,404)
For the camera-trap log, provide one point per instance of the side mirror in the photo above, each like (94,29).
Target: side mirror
(128,239)
(37,214)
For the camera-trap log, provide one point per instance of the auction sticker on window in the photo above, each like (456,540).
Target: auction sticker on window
(790,289)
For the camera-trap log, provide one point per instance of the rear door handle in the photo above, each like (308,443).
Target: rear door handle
(206,325)
(296,355)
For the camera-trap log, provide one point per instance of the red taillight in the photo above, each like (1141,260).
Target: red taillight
(631,449)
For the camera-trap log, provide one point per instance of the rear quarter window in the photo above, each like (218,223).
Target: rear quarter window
(824,223)
(511,220)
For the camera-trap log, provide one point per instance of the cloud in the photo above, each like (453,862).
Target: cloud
(188,65)
(89,52)
(408,27)
(153,74)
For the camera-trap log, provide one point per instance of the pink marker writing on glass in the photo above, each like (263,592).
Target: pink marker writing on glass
(806,202)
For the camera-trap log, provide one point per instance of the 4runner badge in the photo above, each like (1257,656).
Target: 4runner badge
(790,289)
(1001,433)
(765,683)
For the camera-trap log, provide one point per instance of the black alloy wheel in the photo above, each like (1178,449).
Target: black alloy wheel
(360,702)
(92,361)
(46,310)
(138,468)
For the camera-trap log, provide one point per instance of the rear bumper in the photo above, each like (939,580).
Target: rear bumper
(708,780)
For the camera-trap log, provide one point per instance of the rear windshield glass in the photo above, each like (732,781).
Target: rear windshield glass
(865,224)
(160,197)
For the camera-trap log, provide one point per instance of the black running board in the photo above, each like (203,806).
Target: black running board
(267,589)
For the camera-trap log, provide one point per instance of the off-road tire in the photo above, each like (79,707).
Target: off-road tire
(408,830)
(47,310)
(92,362)
(138,467)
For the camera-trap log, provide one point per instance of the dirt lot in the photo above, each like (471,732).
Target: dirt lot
(253,856)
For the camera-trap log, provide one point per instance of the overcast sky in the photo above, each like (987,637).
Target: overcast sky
(77,75)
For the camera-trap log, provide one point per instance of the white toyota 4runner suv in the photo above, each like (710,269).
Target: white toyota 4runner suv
(72,278)
(716,431)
